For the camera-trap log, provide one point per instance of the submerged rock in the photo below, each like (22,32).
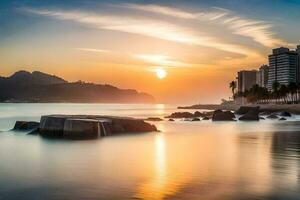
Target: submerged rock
(220,115)
(272,116)
(205,118)
(198,114)
(154,119)
(251,115)
(83,129)
(87,127)
(285,114)
(195,119)
(26,126)
(282,119)
(262,118)
(181,115)
(171,120)
(52,125)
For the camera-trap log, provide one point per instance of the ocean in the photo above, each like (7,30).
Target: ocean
(185,160)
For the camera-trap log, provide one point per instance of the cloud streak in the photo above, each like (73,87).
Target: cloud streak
(161,60)
(147,27)
(257,30)
(93,50)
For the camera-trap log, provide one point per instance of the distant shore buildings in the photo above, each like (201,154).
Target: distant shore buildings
(284,68)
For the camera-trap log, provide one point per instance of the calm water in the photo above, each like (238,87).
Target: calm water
(186,160)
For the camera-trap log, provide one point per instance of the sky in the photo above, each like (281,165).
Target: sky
(181,52)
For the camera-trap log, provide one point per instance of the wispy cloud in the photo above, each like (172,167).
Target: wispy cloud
(258,30)
(162,60)
(93,50)
(147,27)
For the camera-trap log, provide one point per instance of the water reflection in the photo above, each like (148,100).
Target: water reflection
(186,160)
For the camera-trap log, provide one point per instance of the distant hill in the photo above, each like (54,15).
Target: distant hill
(37,86)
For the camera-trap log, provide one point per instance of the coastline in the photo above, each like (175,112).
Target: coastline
(292,108)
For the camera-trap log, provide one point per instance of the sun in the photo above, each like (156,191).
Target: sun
(161,73)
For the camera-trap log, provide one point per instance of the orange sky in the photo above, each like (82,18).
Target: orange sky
(124,44)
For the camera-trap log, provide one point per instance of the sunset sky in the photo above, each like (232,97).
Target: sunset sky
(178,51)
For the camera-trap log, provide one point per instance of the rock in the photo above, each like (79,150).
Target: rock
(181,115)
(245,109)
(282,119)
(86,127)
(205,118)
(198,114)
(262,118)
(131,125)
(153,119)
(83,129)
(220,115)
(52,125)
(285,114)
(266,113)
(272,116)
(195,119)
(26,126)
(208,114)
(171,120)
(251,115)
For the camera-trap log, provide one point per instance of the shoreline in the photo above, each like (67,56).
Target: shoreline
(292,108)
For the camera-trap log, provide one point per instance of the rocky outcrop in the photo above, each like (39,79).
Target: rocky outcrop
(285,114)
(181,115)
(251,115)
(272,116)
(26,126)
(198,114)
(245,109)
(220,115)
(52,125)
(156,119)
(87,127)
(83,129)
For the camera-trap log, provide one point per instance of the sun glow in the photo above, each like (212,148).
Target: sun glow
(161,73)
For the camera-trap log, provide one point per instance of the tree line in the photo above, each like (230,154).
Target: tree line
(280,93)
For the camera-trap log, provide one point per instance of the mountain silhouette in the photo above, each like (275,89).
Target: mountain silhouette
(24,86)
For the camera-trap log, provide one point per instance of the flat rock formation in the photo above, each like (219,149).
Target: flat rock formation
(252,114)
(155,119)
(86,126)
(196,114)
(26,126)
(220,115)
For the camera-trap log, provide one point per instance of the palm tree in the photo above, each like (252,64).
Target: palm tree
(275,88)
(292,87)
(283,91)
(232,85)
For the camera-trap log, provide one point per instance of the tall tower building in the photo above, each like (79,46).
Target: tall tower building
(262,76)
(282,67)
(298,64)
(246,79)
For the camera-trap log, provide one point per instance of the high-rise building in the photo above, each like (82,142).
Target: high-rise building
(282,66)
(246,79)
(262,76)
(298,64)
